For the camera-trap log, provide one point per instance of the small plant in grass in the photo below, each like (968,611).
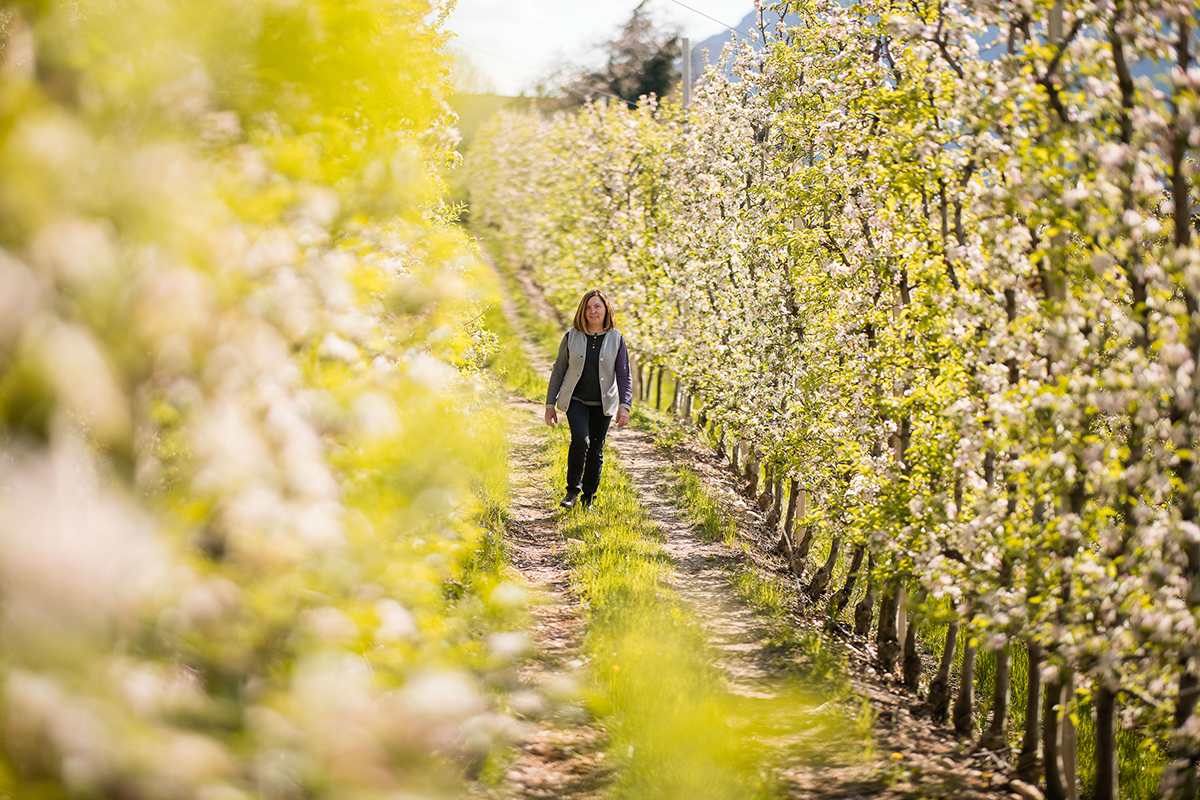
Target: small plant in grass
(764,595)
(702,510)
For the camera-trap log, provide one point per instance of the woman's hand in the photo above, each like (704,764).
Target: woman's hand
(622,417)
(551,417)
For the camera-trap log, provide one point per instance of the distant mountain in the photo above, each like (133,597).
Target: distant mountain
(991,46)
(708,51)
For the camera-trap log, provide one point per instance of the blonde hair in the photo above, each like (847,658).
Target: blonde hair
(580,323)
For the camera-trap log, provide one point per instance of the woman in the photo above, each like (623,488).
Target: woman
(591,382)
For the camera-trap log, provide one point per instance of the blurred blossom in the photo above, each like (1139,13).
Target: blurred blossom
(395,622)
(172,302)
(54,142)
(85,383)
(273,249)
(319,207)
(510,645)
(330,624)
(20,49)
(209,600)
(434,706)
(20,295)
(75,251)
(430,372)
(188,97)
(221,126)
(290,303)
(74,553)
(376,414)
(334,346)
(509,597)
(232,452)
(40,713)
(187,237)
(152,690)
(188,760)
(330,278)
(319,525)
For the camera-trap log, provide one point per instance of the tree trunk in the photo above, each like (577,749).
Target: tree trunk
(752,462)
(802,549)
(1058,739)
(1056,788)
(912,658)
(1070,768)
(1028,763)
(797,506)
(658,390)
(865,610)
(964,704)
(776,501)
(737,451)
(1179,777)
(939,689)
(996,736)
(1106,744)
(816,587)
(793,497)
(764,500)
(842,598)
(887,643)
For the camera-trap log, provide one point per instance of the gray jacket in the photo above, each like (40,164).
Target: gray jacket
(616,382)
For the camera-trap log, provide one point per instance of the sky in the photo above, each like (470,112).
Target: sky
(512,42)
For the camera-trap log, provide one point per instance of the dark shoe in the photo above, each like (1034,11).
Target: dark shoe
(587,502)
(569,500)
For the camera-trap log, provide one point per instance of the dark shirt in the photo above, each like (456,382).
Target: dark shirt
(587,391)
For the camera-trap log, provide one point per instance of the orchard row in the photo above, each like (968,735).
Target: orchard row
(933,265)
(245,468)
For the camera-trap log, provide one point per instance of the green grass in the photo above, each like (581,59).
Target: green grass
(702,510)
(1140,755)
(767,596)
(544,333)
(674,731)
(508,363)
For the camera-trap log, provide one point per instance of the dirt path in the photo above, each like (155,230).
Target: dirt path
(563,756)
(700,572)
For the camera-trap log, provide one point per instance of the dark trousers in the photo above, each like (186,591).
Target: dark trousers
(585,459)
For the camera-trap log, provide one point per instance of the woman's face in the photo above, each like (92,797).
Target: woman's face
(594,313)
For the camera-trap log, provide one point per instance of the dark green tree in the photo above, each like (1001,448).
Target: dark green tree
(641,61)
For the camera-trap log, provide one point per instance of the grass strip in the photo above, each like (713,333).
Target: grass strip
(545,333)
(509,363)
(675,731)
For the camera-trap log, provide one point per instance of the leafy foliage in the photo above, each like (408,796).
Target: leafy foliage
(249,481)
(941,268)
